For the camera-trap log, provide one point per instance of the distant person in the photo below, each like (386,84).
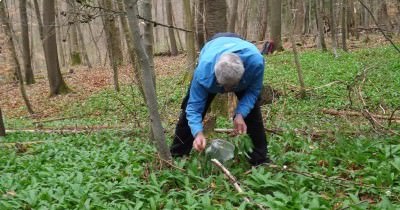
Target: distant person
(227,63)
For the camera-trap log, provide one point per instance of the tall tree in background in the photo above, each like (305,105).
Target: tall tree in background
(296,56)
(6,24)
(233,14)
(215,14)
(244,18)
(150,93)
(276,23)
(264,20)
(113,41)
(59,36)
(332,12)
(2,127)
(200,23)
(172,40)
(75,54)
(189,38)
(344,25)
(83,46)
(299,15)
(26,52)
(320,24)
(56,81)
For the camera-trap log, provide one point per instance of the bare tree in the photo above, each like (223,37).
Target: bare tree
(264,22)
(174,48)
(56,81)
(233,16)
(148,35)
(2,127)
(215,14)
(150,94)
(200,23)
(26,52)
(189,37)
(276,24)
(83,46)
(333,26)
(344,25)
(5,23)
(75,55)
(320,26)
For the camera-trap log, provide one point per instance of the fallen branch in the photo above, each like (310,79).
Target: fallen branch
(56,119)
(359,114)
(233,180)
(72,130)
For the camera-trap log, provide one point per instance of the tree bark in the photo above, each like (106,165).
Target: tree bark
(306,22)
(264,22)
(5,23)
(320,25)
(233,16)
(148,35)
(344,25)
(244,17)
(83,46)
(2,127)
(56,81)
(300,15)
(276,23)
(174,48)
(216,20)
(150,94)
(75,55)
(200,24)
(333,26)
(189,38)
(59,40)
(26,52)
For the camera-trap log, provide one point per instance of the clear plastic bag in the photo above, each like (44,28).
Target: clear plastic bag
(221,150)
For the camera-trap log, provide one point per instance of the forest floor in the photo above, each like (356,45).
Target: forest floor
(338,148)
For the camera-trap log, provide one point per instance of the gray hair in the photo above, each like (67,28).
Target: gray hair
(229,69)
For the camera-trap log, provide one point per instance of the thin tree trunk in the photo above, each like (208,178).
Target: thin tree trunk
(344,25)
(75,55)
(148,36)
(95,41)
(245,15)
(233,16)
(2,127)
(150,94)
(189,38)
(264,22)
(59,40)
(200,24)
(29,78)
(306,22)
(300,15)
(320,26)
(276,23)
(7,29)
(296,58)
(83,46)
(39,19)
(56,81)
(174,49)
(333,26)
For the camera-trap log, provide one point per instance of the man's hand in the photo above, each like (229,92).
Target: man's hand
(199,142)
(240,125)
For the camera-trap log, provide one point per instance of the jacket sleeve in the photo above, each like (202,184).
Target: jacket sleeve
(251,94)
(195,107)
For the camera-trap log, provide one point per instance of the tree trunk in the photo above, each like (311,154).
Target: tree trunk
(200,24)
(299,15)
(383,17)
(59,40)
(344,25)
(150,94)
(174,48)
(29,78)
(276,23)
(56,81)
(244,17)
(233,16)
(264,22)
(113,42)
(39,19)
(5,23)
(296,56)
(189,38)
(215,17)
(320,26)
(83,46)
(2,127)
(333,26)
(148,35)
(75,54)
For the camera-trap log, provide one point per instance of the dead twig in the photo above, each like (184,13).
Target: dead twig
(359,114)
(392,116)
(233,180)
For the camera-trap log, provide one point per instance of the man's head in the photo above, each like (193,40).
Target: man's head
(229,70)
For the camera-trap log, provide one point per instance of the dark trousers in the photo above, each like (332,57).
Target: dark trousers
(183,140)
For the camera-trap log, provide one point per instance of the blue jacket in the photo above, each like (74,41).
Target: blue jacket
(204,81)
